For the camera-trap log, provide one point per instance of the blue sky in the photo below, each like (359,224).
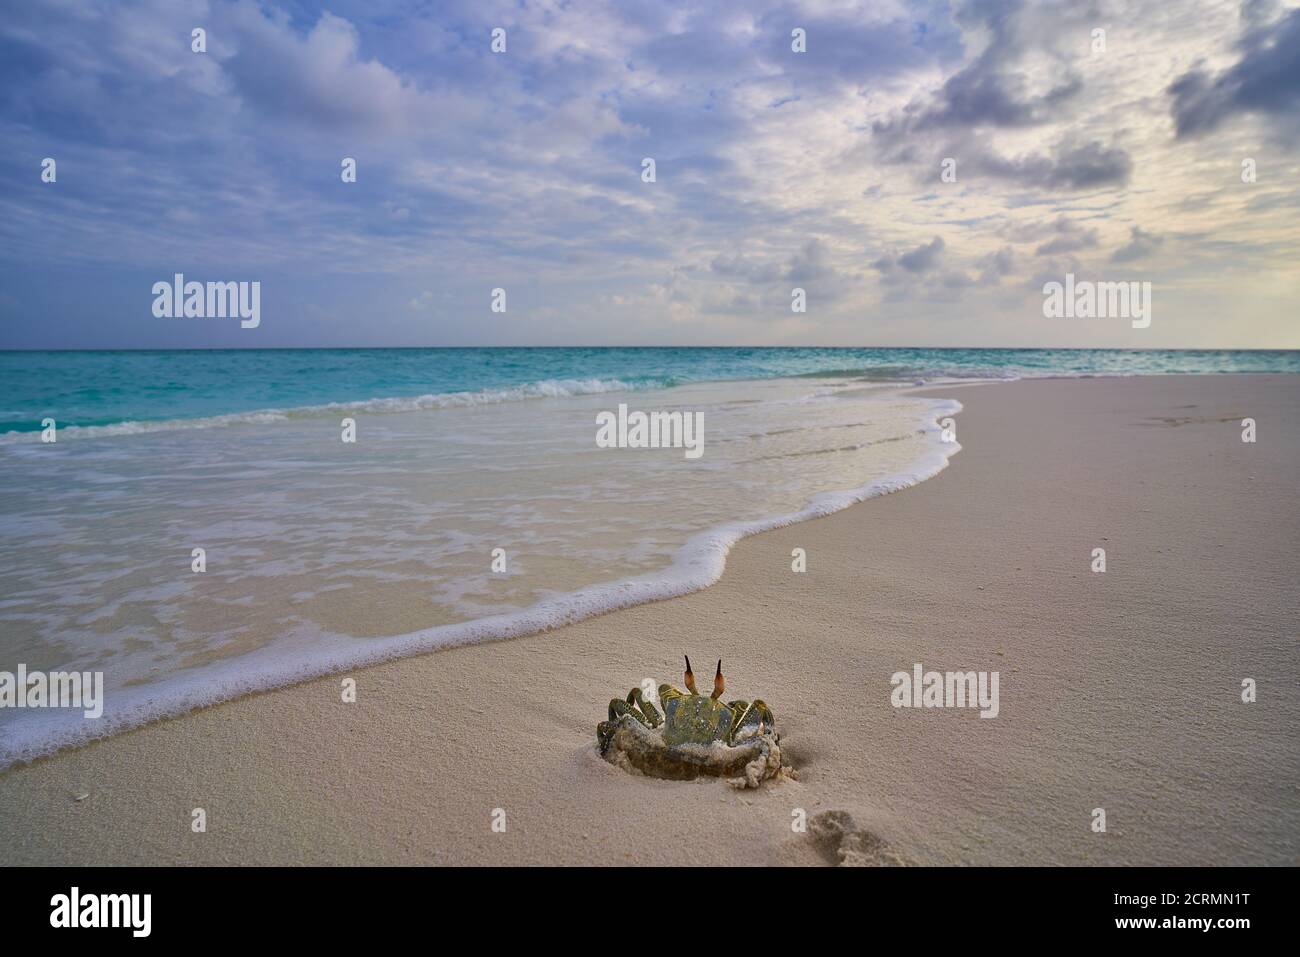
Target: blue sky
(774,169)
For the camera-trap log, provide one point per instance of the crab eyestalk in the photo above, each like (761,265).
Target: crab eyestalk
(719,682)
(690,676)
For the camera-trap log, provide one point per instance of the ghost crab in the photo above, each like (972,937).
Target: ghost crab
(696,735)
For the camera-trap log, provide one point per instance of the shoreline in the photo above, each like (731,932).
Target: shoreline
(696,564)
(1050,468)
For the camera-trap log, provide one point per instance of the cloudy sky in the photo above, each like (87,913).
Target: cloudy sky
(774,169)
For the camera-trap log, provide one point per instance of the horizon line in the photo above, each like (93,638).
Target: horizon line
(351,348)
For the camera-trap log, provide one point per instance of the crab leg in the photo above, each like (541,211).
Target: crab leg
(748,713)
(652,716)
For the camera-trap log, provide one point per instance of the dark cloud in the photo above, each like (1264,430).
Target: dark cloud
(1054,237)
(991,91)
(1069,166)
(809,263)
(1068,243)
(996,265)
(921,259)
(995,92)
(1140,245)
(982,96)
(737,267)
(1266,80)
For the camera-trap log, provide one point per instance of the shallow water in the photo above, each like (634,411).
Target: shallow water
(319,551)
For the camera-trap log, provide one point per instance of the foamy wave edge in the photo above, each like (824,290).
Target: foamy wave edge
(698,564)
(542,389)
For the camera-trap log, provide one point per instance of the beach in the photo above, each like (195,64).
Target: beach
(1119,690)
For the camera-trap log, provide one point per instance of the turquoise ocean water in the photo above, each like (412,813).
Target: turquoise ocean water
(106,388)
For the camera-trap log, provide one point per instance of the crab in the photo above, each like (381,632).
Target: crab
(696,734)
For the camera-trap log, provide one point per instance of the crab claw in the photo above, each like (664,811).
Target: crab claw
(690,676)
(719,682)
